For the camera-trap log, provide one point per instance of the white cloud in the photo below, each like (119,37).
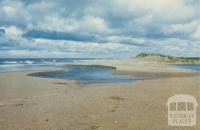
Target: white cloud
(180,28)
(163,9)
(87,24)
(9,11)
(121,26)
(93,24)
(56,23)
(13,13)
(196,34)
(13,31)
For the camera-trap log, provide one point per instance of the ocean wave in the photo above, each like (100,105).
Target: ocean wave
(10,62)
(29,62)
(11,65)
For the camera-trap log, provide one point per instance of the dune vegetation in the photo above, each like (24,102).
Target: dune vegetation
(170,59)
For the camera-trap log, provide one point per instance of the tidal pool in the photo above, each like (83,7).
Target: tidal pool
(89,74)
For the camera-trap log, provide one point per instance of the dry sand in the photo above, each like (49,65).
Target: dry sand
(29,103)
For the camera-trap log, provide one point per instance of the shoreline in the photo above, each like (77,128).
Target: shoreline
(92,65)
(157,74)
(116,71)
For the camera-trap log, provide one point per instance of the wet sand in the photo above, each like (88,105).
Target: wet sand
(30,103)
(156,74)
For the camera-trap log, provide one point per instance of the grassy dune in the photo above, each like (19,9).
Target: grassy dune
(169,59)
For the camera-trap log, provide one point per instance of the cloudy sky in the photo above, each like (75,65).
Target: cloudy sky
(99,28)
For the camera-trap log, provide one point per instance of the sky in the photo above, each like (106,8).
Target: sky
(99,28)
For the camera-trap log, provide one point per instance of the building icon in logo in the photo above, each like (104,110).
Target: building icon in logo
(182,110)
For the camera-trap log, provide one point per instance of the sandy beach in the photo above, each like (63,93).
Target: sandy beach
(31,103)
(99,65)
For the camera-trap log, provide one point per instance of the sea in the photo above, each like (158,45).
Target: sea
(28,64)
(195,67)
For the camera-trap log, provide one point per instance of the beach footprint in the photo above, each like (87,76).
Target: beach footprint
(118,98)
(94,127)
(116,106)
